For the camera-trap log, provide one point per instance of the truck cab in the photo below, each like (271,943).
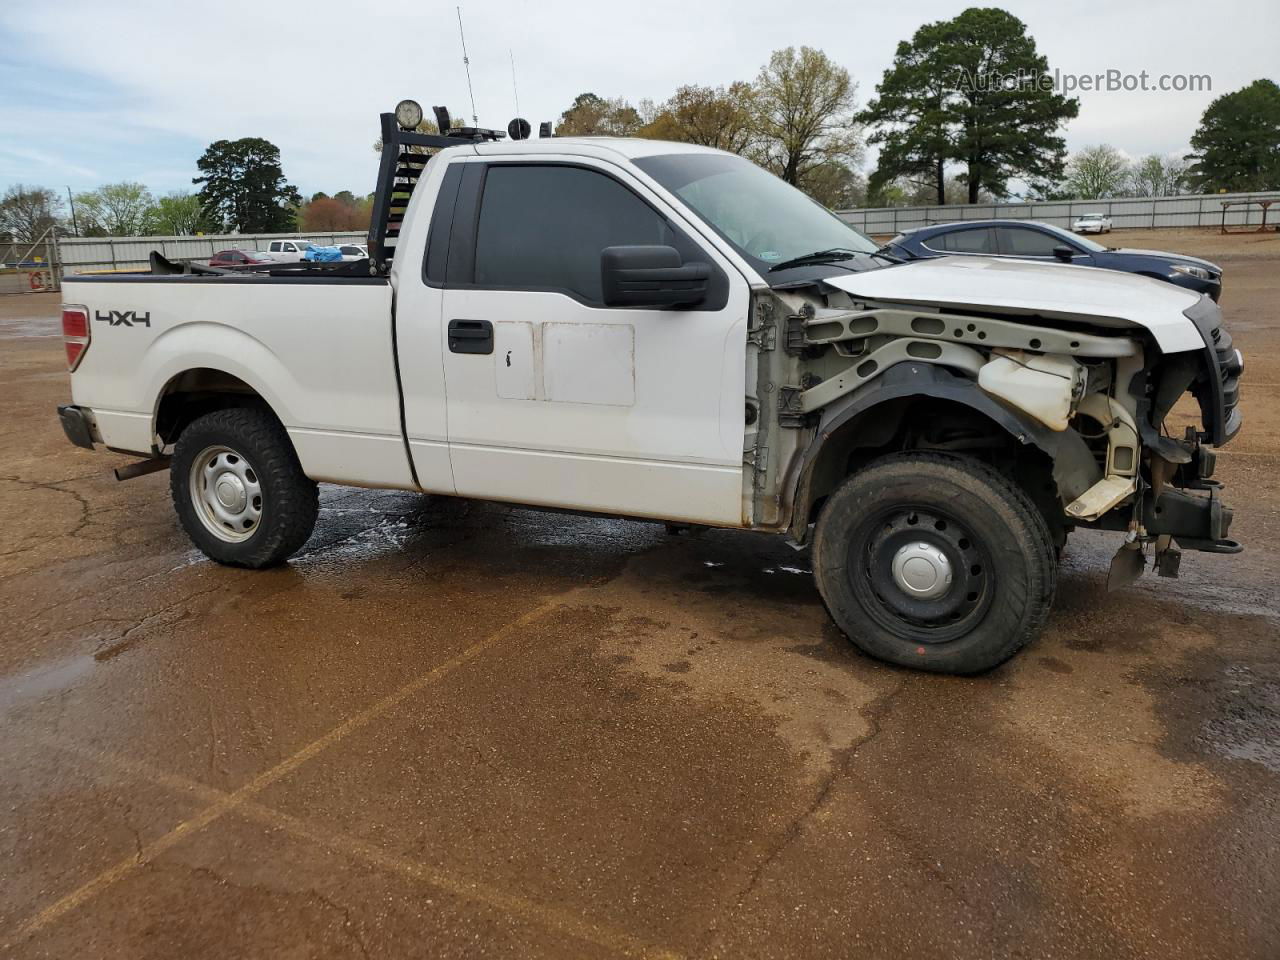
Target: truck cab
(664,331)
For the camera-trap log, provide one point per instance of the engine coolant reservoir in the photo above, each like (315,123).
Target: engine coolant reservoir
(1043,386)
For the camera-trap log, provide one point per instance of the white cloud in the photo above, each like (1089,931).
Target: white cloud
(39,164)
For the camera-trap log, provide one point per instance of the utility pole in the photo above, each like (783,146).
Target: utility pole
(72,200)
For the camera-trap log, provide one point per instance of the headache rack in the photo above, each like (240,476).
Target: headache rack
(399,170)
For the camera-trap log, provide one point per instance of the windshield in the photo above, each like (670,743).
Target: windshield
(765,219)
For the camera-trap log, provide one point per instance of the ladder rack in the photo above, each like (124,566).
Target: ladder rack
(399,171)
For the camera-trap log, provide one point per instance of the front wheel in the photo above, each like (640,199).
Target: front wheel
(239,490)
(934,561)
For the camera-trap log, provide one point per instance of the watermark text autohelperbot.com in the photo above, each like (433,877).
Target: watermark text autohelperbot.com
(1108,81)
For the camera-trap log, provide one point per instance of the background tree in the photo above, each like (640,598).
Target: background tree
(914,126)
(1096,173)
(973,90)
(1005,130)
(115,210)
(717,117)
(1237,146)
(27,212)
(906,191)
(178,214)
(1157,176)
(244,188)
(593,116)
(836,185)
(804,117)
(341,212)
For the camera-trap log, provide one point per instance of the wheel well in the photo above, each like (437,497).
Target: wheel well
(194,393)
(930,423)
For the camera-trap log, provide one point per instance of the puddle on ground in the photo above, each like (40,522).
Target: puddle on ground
(1247,726)
(38,682)
(1206,581)
(15,328)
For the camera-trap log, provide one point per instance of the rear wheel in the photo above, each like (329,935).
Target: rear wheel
(239,490)
(934,561)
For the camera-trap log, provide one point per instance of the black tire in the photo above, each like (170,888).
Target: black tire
(983,531)
(277,502)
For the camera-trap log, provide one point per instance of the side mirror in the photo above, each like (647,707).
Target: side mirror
(1063,252)
(651,276)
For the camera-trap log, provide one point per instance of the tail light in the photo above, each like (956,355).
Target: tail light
(75,333)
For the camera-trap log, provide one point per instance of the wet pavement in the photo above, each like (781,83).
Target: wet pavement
(455,729)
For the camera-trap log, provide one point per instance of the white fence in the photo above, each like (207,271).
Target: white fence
(98,254)
(1136,212)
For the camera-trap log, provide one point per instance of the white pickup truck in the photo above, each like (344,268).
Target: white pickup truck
(288,251)
(657,330)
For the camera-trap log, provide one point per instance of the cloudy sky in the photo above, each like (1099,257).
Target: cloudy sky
(94,92)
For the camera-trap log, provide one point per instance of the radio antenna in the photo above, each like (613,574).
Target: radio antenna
(466,64)
(514,88)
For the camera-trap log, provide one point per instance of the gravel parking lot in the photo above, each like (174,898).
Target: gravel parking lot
(455,729)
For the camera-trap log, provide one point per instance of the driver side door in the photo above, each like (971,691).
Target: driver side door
(553,397)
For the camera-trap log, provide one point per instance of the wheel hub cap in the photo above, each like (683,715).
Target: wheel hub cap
(231,493)
(921,570)
(226,493)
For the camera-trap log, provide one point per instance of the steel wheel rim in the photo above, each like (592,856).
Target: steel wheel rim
(945,616)
(226,493)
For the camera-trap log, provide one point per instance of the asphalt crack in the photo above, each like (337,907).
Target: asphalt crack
(874,715)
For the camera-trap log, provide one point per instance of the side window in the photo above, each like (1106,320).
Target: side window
(544,226)
(275,246)
(1024,242)
(965,241)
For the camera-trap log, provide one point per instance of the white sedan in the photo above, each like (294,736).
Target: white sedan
(1091,223)
(354,251)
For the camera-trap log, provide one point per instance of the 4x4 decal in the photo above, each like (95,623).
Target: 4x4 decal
(123,318)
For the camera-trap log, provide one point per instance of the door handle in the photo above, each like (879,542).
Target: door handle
(470,336)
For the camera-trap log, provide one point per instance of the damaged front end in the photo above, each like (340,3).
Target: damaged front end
(837,371)
(1177,504)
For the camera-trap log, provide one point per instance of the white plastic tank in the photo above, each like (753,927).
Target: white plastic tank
(1042,385)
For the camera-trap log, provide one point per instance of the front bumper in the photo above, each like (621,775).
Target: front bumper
(1190,509)
(76,425)
(1195,522)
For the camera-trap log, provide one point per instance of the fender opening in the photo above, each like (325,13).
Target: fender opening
(924,407)
(194,393)
(931,423)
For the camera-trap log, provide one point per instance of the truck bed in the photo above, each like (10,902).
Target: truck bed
(318,347)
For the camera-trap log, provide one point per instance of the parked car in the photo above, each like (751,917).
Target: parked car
(354,251)
(665,331)
(1032,240)
(231,259)
(1091,223)
(288,251)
